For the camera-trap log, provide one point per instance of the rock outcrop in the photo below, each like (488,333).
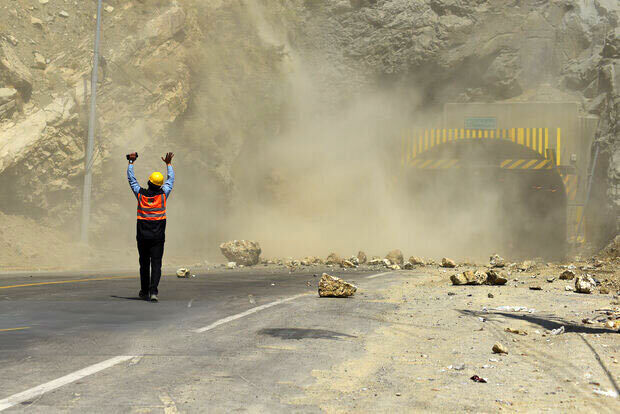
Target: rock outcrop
(13,72)
(8,104)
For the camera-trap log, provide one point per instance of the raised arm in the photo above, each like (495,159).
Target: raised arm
(133,183)
(167,187)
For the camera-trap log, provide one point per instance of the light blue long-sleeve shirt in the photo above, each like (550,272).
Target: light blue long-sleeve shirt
(135,187)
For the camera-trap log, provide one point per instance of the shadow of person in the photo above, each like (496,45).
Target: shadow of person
(126,297)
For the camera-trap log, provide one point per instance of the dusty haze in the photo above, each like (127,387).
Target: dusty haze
(286,119)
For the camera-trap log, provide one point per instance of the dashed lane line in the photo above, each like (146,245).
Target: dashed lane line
(92,369)
(378,275)
(59,382)
(246,313)
(67,379)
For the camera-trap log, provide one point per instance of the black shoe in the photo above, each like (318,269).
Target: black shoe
(154,298)
(143,295)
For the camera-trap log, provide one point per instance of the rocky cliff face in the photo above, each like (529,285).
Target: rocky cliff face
(218,80)
(193,76)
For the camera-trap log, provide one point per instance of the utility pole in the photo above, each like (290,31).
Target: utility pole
(90,144)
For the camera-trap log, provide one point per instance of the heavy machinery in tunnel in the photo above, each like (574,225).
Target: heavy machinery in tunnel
(519,188)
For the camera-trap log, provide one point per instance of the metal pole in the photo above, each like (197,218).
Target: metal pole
(88,177)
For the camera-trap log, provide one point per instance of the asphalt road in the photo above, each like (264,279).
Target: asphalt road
(225,341)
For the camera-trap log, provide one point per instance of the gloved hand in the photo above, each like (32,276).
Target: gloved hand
(168,158)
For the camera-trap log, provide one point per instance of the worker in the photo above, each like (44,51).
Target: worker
(151,225)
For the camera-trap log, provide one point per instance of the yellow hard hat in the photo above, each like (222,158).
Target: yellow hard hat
(157,178)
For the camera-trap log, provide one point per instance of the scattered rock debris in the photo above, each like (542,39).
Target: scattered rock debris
(584,284)
(516,331)
(333,259)
(183,272)
(395,257)
(347,264)
(497,261)
(567,275)
(449,263)
(499,348)
(497,278)
(361,256)
(557,331)
(417,261)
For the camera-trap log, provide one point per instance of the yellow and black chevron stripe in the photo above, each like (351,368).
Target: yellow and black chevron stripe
(435,164)
(571,184)
(526,164)
(446,163)
(416,142)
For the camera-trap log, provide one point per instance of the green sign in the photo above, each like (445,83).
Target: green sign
(480,123)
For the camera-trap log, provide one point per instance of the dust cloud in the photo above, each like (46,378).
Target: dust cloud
(331,179)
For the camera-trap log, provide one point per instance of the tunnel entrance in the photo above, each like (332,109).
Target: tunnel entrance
(481,207)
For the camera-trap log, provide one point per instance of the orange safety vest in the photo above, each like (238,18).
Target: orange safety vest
(152,208)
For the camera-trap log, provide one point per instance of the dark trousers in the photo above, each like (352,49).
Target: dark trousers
(151,253)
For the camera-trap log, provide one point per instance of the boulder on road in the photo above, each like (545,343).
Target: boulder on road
(495,277)
(395,257)
(183,272)
(242,252)
(458,279)
(361,256)
(499,348)
(416,261)
(584,284)
(347,264)
(445,262)
(333,259)
(354,260)
(497,261)
(469,278)
(375,261)
(332,286)
(311,260)
(567,275)
(526,265)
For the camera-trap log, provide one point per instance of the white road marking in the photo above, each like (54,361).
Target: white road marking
(378,274)
(67,379)
(59,382)
(189,305)
(246,313)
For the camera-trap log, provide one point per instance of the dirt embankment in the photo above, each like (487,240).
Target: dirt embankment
(440,336)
